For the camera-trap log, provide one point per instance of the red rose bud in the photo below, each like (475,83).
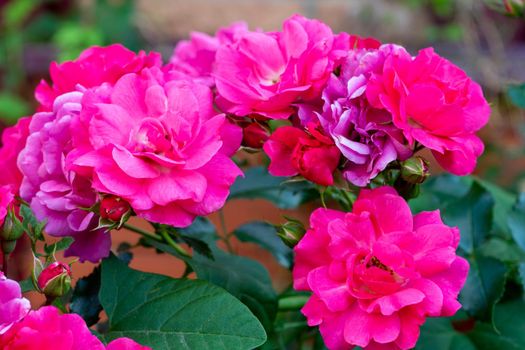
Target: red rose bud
(254,135)
(55,280)
(113,208)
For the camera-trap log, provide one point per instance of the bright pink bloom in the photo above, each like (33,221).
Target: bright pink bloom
(55,193)
(293,151)
(376,273)
(160,146)
(125,344)
(6,200)
(435,103)
(12,306)
(196,57)
(94,66)
(13,141)
(48,329)
(265,73)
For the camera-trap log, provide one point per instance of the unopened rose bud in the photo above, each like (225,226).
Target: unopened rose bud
(291,232)
(55,280)
(254,135)
(415,170)
(10,231)
(113,208)
(515,8)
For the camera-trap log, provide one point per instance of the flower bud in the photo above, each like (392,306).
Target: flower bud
(55,280)
(291,232)
(254,135)
(415,170)
(114,208)
(515,8)
(10,231)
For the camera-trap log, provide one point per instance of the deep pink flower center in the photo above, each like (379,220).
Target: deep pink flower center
(152,137)
(372,278)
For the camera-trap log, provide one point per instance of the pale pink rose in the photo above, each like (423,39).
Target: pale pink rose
(159,145)
(376,273)
(94,66)
(435,103)
(12,306)
(196,57)
(265,73)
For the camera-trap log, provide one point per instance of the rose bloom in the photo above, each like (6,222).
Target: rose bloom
(435,103)
(365,135)
(94,66)
(12,306)
(6,201)
(376,273)
(265,73)
(196,57)
(55,193)
(159,145)
(47,329)
(13,141)
(311,154)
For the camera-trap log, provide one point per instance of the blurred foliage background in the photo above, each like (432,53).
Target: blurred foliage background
(486,38)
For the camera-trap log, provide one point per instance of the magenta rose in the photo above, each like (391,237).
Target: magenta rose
(196,57)
(265,73)
(6,201)
(55,193)
(12,306)
(13,141)
(159,145)
(435,103)
(311,154)
(48,329)
(377,272)
(94,66)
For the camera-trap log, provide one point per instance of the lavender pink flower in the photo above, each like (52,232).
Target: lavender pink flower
(435,103)
(159,145)
(12,306)
(57,194)
(265,73)
(377,272)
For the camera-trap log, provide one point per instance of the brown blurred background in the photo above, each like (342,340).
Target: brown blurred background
(488,45)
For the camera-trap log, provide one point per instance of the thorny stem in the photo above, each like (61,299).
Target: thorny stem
(174,244)
(141,232)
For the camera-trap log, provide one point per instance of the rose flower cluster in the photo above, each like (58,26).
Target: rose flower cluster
(119,133)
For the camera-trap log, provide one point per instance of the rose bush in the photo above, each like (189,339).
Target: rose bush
(344,121)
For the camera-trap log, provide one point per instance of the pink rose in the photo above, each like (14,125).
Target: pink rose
(376,273)
(196,57)
(265,73)
(6,200)
(435,103)
(94,66)
(293,151)
(159,145)
(13,141)
(48,329)
(12,306)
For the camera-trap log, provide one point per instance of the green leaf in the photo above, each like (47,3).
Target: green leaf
(484,287)
(517,95)
(84,300)
(258,183)
(503,203)
(439,190)
(473,215)
(516,221)
(166,313)
(438,334)
(63,244)
(12,107)
(265,235)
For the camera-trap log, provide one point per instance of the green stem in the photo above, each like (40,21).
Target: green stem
(142,232)
(225,235)
(174,244)
(295,302)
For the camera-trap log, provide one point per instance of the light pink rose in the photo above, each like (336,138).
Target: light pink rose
(265,73)
(435,103)
(12,306)
(376,273)
(159,145)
